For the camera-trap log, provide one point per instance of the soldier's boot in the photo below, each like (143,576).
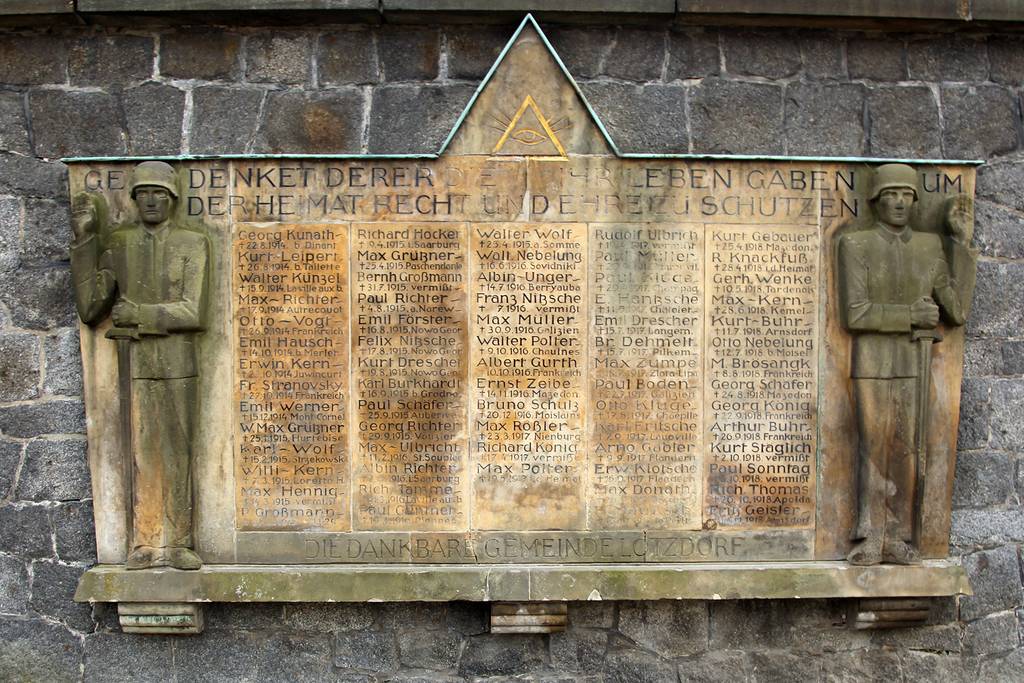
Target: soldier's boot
(142,557)
(183,558)
(867,552)
(900,552)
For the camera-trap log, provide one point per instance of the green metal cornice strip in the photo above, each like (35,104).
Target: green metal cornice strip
(528,20)
(432,157)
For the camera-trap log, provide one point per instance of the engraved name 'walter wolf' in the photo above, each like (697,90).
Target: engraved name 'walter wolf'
(527,349)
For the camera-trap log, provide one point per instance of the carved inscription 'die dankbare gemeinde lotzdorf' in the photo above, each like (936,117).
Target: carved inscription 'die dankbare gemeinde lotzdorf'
(533,349)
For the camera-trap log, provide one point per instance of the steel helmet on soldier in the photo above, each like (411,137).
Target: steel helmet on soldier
(155,173)
(894,175)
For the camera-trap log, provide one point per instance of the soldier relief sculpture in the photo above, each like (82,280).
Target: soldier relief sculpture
(897,287)
(150,278)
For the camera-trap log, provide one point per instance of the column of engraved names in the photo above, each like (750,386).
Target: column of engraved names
(645,376)
(291,322)
(409,354)
(761,374)
(527,389)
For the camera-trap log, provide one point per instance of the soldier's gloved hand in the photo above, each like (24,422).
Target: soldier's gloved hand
(83,216)
(125,313)
(924,313)
(959,217)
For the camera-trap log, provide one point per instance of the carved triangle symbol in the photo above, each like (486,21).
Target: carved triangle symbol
(530,132)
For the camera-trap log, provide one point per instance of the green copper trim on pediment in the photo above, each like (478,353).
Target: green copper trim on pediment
(528,20)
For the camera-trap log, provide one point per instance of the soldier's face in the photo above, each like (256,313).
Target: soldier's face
(894,205)
(154,204)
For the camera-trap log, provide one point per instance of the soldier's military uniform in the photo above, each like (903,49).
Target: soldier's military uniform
(882,272)
(162,269)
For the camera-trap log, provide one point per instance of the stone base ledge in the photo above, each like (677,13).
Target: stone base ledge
(520,583)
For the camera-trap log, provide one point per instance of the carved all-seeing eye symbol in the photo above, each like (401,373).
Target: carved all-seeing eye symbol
(529,127)
(528,136)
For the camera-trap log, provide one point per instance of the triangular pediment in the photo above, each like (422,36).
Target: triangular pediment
(528,105)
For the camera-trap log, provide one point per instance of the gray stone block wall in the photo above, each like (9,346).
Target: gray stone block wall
(357,88)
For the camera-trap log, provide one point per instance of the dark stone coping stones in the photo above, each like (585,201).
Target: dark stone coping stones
(903,9)
(37,7)
(997,10)
(486,583)
(571,6)
(592,6)
(955,10)
(221,5)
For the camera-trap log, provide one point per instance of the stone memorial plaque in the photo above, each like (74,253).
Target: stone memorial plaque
(646,376)
(531,349)
(409,357)
(761,306)
(291,337)
(657,373)
(528,375)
